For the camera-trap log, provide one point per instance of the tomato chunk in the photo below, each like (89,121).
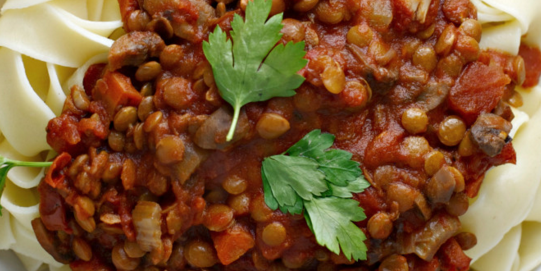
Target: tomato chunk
(92,75)
(62,134)
(532,61)
(94,264)
(452,257)
(478,90)
(52,209)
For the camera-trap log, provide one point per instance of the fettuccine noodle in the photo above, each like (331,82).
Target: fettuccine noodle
(42,42)
(506,215)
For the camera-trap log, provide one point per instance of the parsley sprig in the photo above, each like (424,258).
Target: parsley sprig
(320,181)
(7,164)
(253,68)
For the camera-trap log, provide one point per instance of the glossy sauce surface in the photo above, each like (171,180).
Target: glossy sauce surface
(410,96)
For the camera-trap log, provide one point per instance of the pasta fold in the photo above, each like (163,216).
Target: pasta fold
(33,75)
(80,39)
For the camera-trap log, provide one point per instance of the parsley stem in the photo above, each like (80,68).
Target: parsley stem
(7,164)
(233,123)
(27,164)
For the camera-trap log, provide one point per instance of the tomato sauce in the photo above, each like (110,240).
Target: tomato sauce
(156,148)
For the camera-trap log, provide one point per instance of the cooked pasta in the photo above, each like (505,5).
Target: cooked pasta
(53,38)
(35,67)
(510,193)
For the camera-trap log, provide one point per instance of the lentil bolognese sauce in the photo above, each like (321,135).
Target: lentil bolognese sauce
(146,180)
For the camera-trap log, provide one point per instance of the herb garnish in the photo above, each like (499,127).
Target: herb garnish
(310,177)
(7,164)
(245,71)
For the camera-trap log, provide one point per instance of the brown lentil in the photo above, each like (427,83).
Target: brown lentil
(152,121)
(466,147)
(133,250)
(147,90)
(125,117)
(121,260)
(274,234)
(433,162)
(458,204)
(148,71)
(425,57)
(446,40)
(305,5)
(360,35)
(271,126)
(116,141)
(219,217)
(394,262)
(82,249)
(170,149)
(333,78)
(380,226)
(451,130)
(240,204)
(466,240)
(471,28)
(200,254)
(234,184)
(414,120)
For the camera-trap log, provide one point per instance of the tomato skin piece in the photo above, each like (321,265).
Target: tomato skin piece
(55,175)
(478,90)
(92,75)
(532,61)
(52,209)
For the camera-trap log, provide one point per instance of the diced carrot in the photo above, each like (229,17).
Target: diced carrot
(532,61)
(232,243)
(116,90)
(478,90)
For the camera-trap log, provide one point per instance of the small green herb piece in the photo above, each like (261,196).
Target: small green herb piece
(254,68)
(294,170)
(311,178)
(7,164)
(331,220)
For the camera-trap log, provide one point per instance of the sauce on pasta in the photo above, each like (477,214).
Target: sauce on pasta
(52,72)
(407,91)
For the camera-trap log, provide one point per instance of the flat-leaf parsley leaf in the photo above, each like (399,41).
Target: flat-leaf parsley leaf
(253,68)
(311,178)
(7,164)
(331,220)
